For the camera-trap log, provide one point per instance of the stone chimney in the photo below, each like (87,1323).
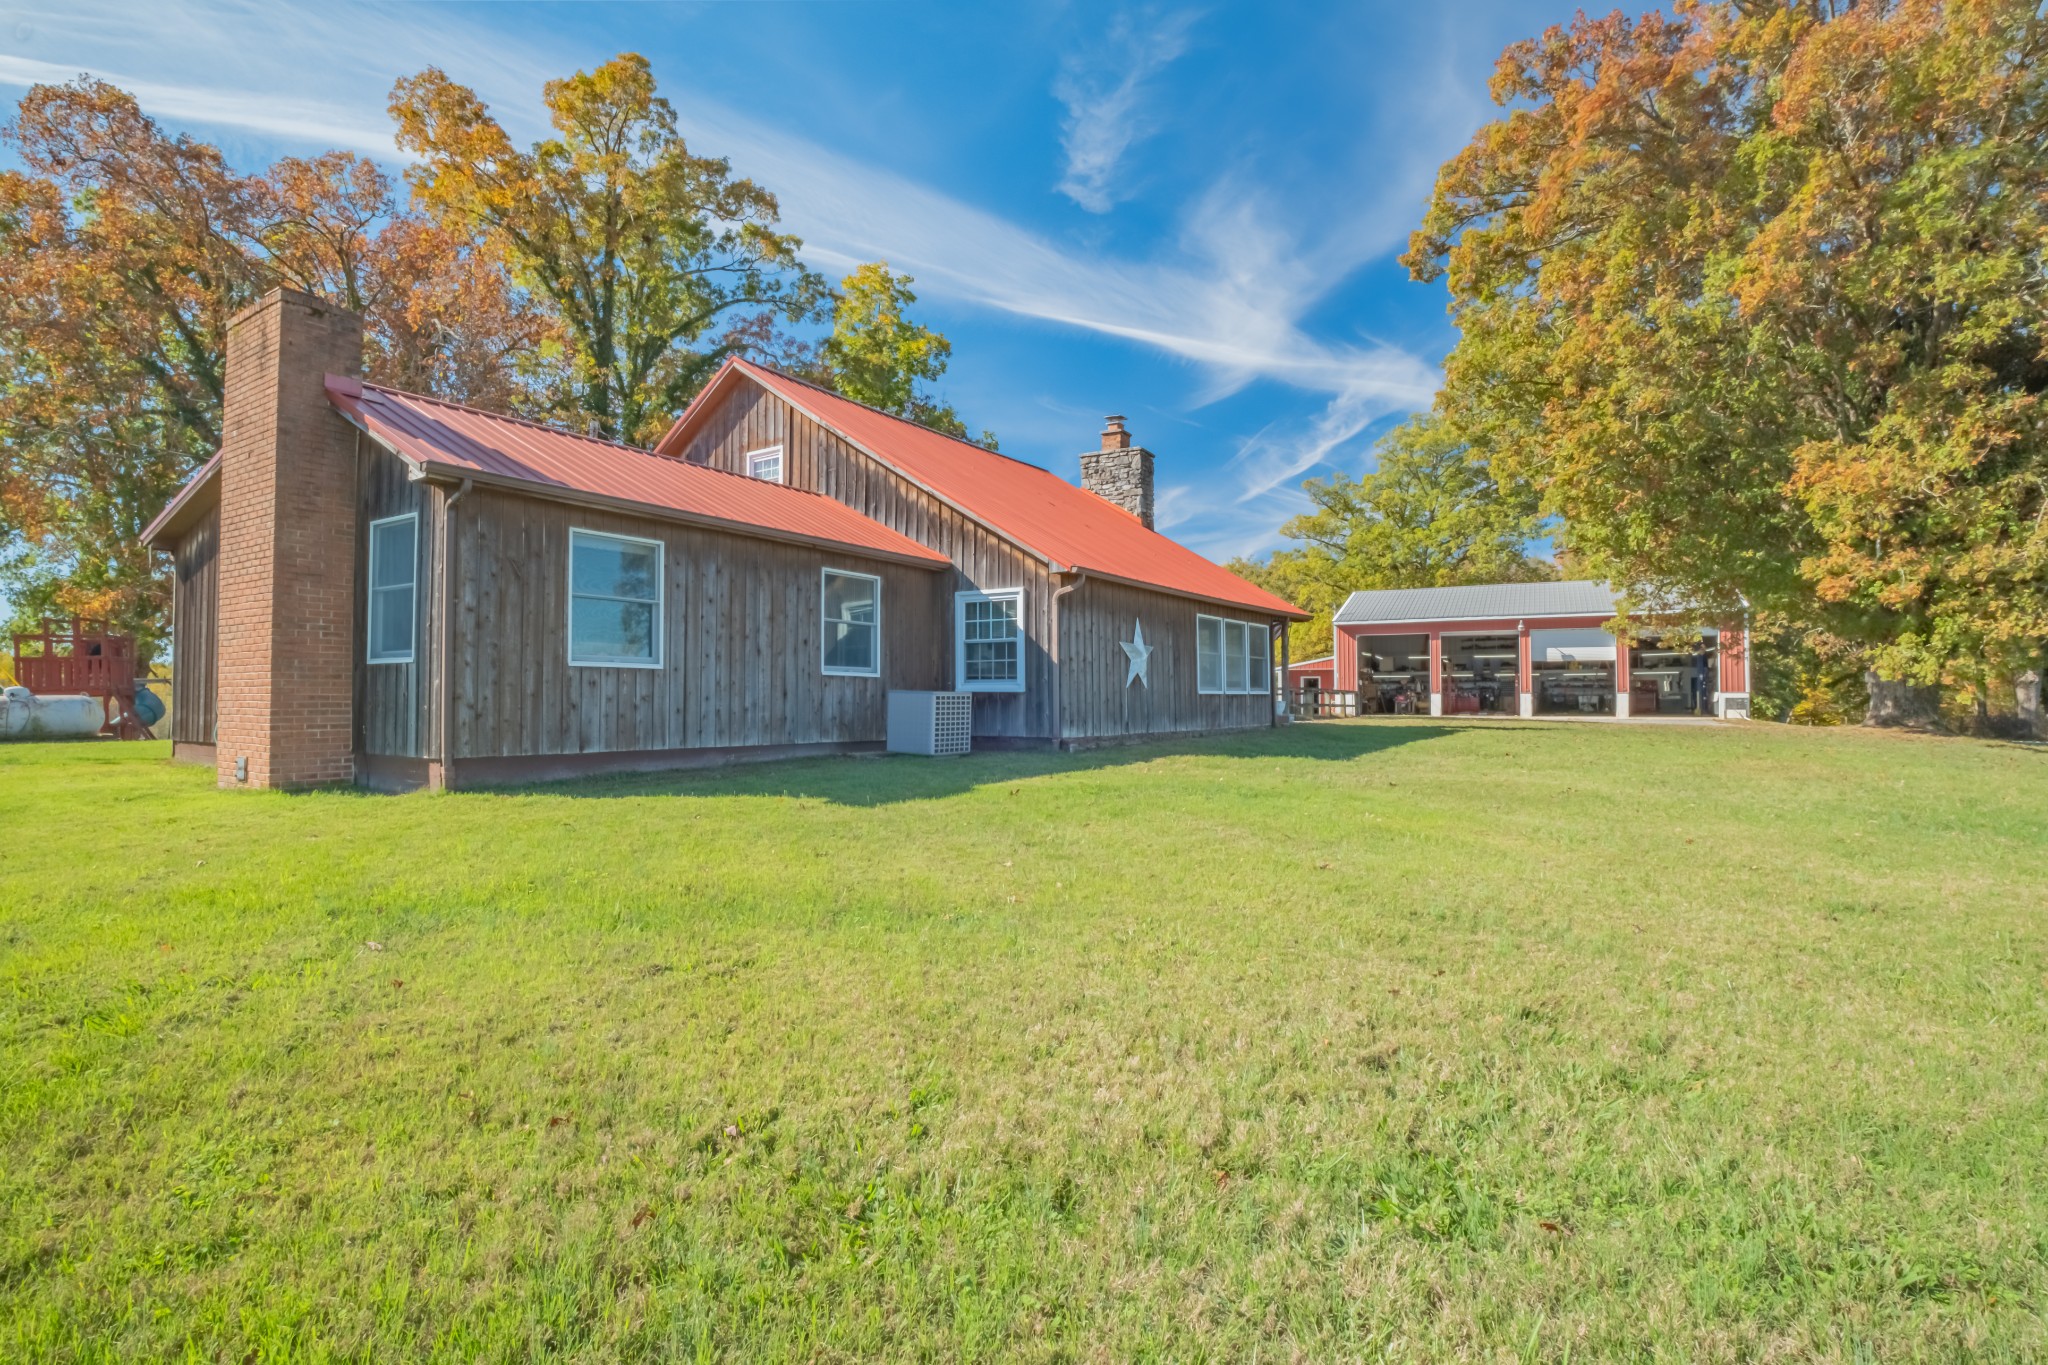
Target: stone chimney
(287,643)
(1120,472)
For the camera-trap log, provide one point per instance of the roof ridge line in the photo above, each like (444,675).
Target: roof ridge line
(549,427)
(897,417)
(630,449)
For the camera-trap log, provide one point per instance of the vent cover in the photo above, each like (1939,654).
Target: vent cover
(935,723)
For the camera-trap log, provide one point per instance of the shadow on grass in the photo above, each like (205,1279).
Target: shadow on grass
(884,779)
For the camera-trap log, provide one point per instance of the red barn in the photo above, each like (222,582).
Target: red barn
(1312,674)
(1530,649)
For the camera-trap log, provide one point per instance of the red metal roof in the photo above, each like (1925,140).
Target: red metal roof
(1032,507)
(458,440)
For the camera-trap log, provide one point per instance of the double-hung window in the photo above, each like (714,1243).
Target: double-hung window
(765,464)
(615,587)
(988,641)
(394,587)
(1232,657)
(851,604)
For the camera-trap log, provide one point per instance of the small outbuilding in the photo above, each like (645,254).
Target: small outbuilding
(1531,649)
(1311,675)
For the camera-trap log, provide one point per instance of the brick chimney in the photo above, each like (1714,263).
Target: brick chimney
(286,665)
(1120,472)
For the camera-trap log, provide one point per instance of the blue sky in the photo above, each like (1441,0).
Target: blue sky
(1189,215)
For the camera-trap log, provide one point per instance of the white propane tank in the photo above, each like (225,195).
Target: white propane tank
(24,715)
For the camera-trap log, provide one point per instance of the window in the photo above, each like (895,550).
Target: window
(852,608)
(614,601)
(988,641)
(765,464)
(394,578)
(1232,657)
(1209,654)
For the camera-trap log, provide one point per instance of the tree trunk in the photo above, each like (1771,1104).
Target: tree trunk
(1899,705)
(2027,693)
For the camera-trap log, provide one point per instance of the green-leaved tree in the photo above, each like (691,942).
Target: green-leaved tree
(641,248)
(1753,292)
(1432,513)
(878,356)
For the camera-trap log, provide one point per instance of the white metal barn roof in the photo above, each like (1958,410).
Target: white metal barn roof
(1479,602)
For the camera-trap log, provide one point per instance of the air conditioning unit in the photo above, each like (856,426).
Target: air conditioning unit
(936,723)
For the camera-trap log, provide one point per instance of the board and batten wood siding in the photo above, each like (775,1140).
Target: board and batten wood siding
(742,628)
(1096,701)
(749,418)
(195,632)
(394,701)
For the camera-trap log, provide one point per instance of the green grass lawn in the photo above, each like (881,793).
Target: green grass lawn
(1410,1039)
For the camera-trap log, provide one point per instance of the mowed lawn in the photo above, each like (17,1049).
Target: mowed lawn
(1418,1040)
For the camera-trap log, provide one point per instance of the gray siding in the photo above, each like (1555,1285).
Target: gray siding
(1092,620)
(195,632)
(1096,702)
(394,702)
(749,417)
(740,652)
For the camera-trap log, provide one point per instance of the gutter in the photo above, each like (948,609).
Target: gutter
(1058,661)
(1286,609)
(444,680)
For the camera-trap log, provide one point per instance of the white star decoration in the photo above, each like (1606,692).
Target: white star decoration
(1139,653)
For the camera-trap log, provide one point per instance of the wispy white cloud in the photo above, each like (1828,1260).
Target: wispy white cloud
(269,113)
(1228,296)
(1103,90)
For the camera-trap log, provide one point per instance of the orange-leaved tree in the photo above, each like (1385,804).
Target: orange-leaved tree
(124,252)
(1753,293)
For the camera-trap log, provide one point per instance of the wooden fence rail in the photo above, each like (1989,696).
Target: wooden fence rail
(1320,703)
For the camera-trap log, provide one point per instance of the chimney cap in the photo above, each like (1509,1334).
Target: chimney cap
(1114,434)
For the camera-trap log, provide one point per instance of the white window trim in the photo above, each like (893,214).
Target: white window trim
(824,621)
(1252,630)
(370,612)
(781,463)
(960,601)
(660,602)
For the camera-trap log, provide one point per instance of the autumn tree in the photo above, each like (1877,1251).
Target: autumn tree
(124,253)
(1752,294)
(641,248)
(1430,514)
(878,356)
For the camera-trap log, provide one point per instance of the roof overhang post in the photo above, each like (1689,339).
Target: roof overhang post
(1622,682)
(1280,703)
(1436,673)
(1731,691)
(1525,669)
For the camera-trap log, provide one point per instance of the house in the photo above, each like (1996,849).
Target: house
(1531,649)
(384,588)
